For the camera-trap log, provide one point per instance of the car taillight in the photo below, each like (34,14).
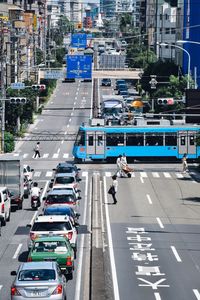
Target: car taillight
(69,261)
(69,235)
(3,208)
(14,291)
(29,259)
(58,290)
(33,236)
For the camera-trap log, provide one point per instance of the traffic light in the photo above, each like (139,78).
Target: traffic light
(79,25)
(165,101)
(18,100)
(39,87)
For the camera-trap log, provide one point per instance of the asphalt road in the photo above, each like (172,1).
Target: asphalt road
(148,241)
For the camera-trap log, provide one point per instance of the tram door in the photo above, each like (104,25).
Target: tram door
(95,142)
(187,142)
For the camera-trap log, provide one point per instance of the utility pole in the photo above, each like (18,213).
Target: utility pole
(3,90)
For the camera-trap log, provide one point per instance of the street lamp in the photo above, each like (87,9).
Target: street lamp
(189,59)
(184,42)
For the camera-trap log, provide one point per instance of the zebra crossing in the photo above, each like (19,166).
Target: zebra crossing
(44,155)
(167,175)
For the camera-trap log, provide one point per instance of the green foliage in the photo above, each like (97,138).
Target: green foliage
(39,56)
(9,142)
(125,22)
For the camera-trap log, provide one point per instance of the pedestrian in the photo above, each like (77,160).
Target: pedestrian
(124,160)
(115,186)
(119,165)
(184,163)
(37,150)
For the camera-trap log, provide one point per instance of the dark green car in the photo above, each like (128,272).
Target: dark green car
(54,248)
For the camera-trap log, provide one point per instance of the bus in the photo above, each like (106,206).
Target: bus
(139,142)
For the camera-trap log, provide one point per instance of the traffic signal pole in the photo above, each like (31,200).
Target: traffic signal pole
(3,90)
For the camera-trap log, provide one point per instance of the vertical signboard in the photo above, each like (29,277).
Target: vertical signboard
(79,66)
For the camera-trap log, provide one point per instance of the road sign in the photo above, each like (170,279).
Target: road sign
(79,66)
(153,82)
(79,40)
(17,86)
(53,74)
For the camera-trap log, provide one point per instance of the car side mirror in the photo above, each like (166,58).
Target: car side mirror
(79,198)
(32,170)
(13,273)
(53,169)
(79,179)
(78,191)
(50,185)
(79,169)
(28,225)
(78,215)
(44,198)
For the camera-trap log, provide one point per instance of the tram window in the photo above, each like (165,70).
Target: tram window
(90,140)
(134,139)
(192,140)
(99,140)
(113,139)
(80,139)
(182,138)
(170,139)
(154,139)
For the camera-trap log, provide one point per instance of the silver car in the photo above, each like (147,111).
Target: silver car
(38,280)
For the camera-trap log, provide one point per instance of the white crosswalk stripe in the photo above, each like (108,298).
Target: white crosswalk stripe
(179,175)
(49,173)
(16,154)
(25,155)
(45,155)
(108,174)
(167,175)
(65,155)
(132,174)
(155,174)
(55,155)
(143,174)
(37,174)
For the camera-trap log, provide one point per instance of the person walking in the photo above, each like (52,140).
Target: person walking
(119,165)
(184,163)
(124,160)
(115,186)
(37,150)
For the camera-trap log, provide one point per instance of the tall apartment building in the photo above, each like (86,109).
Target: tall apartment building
(76,11)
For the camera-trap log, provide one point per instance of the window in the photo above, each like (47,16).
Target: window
(135,139)
(37,275)
(99,140)
(160,17)
(166,17)
(182,141)
(154,139)
(90,140)
(192,140)
(170,139)
(167,30)
(173,30)
(51,226)
(114,139)
(80,140)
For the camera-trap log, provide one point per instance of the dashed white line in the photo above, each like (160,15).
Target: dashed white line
(33,218)
(157,296)
(141,179)
(176,254)
(62,141)
(149,199)
(65,155)
(160,223)
(74,102)
(70,120)
(167,175)
(17,251)
(72,113)
(58,150)
(197,294)
(49,174)
(155,174)
(45,155)
(55,155)
(37,174)
(1,287)
(67,127)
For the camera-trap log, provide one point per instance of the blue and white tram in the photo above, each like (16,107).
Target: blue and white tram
(101,143)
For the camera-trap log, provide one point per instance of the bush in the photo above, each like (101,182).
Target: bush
(9,143)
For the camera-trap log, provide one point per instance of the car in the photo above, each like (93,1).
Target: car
(38,280)
(66,168)
(54,225)
(106,82)
(54,248)
(16,200)
(60,210)
(5,205)
(28,172)
(61,197)
(62,178)
(68,187)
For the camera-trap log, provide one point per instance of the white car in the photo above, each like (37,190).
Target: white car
(68,187)
(5,205)
(53,225)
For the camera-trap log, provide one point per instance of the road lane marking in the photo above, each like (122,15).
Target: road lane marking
(16,154)
(25,155)
(49,173)
(149,199)
(110,242)
(176,254)
(197,294)
(141,179)
(81,246)
(179,175)
(45,155)
(58,150)
(160,223)
(62,141)
(67,127)
(143,174)
(74,102)
(157,296)
(132,174)
(37,174)
(17,251)
(55,155)
(65,155)
(155,174)
(108,174)
(166,174)
(1,287)
(70,120)
(72,113)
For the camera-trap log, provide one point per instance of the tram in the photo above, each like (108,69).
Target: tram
(105,142)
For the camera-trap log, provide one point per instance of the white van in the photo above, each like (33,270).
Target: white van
(5,205)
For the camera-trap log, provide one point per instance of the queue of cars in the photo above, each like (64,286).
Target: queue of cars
(52,242)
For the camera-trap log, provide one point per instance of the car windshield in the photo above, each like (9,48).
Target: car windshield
(37,275)
(60,199)
(54,246)
(65,169)
(59,212)
(64,180)
(51,226)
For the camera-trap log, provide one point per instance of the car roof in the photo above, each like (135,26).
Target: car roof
(63,186)
(37,265)
(61,192)
(52,219)
(53,238)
